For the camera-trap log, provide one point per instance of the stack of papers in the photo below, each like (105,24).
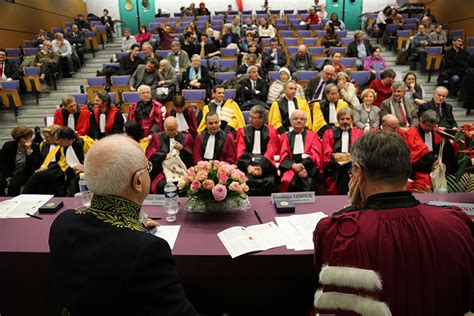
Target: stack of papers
(298,230)
(168,233)
(22,204)
(239,240)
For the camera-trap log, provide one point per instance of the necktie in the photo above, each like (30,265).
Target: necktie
(1,70)
(402,113)
(319,90)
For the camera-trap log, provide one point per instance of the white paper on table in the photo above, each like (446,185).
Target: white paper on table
(288,231)
(168,233)
(305,225)
(22,204)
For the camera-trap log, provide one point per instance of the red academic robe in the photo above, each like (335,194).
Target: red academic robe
(81,119)
(190,116)
(154,120)
(312,148)
(410,258)
(224,149)
(113,123)
(158,149)
(331,143)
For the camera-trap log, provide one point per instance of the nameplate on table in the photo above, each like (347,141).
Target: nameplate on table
(296,197)
(466,207)
(154,199)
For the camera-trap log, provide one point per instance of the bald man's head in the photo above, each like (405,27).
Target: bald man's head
(390,123)
(171,127)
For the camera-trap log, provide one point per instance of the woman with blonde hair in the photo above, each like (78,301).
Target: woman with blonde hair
(347,89)
(366,114)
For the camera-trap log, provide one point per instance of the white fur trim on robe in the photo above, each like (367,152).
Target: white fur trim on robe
(350,277)
(365,306)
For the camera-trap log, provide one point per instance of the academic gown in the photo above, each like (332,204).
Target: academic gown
(269,147)
(190,117)
(321,115)
(336,177)
(279,118)
(311,159)
(156,152)
(230,115)
(410,258)
(113,123)
(81,119)
(224,149)
(150,117)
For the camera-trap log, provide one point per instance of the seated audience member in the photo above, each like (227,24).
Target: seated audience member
(335,61)
(143,35)
(178,58)
(136,132)
(396,17)
(245,42)
(207,49)
(325,111)
(145,75)
(228,37)
(106,118)
(312,17)
(147,49)
(427,23)
(188,44)
(430,15)
(78,42)
(249,60)
(277,88)
(382,18)
(19,158)
(124,262)
(281,109)
(383,86)
(414,91)
(9,69)
(165,38)
(266,29)
(82,23)
(202,10)
(300,155)
(366,114)
(252,90)
(388,219)
(191,10)
(167,82)
(456,64)
(42,36)
(69,115)
(257,145)
(360,48)
(213,37)
(274,57)
(322,13)
(163,152)
(196,76)
(147,112)
(335,145)
(63,49)
(400,106)
(249,28)
(438,36)
(439,105)
(375,62)
(185,115)
(214,143)
(347,89)
(230,115)
(420,41)
(106,20)
(235,23)
(336,24)
(48,61)
(130,62)
(128,40)
(331,38)
(316,85)
(301,60)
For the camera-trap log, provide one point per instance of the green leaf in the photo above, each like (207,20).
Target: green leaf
(459,135)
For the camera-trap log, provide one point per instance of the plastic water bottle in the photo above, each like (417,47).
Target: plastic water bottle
(86,195)
(170,203)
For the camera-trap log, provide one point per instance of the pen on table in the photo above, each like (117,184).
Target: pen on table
(258,216)
(155,218)
(34,216)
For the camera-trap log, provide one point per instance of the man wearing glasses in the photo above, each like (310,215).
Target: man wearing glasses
(444,110)
(103,260)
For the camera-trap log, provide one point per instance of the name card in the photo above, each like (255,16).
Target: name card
(296,197)
(466,207)
(154,199)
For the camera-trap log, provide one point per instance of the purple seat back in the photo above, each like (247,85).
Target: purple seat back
(160,20)
(434,50)
(348,61)
(286,33)
(120,80)
(32,71)
(101,28)
(404,33)
(57,30)
(304,33)
(266,41)
(194,95)
(90,34)
(155,25)
(229,63)
(130,97)
(408,26)
(310,40)
(315,50)
(81,98)
(15,59)
(28,43)
(10,85)
(229,94)
(29,51)
(96,81)
(292,50)
(392,28)
(320,33)
(455,33)
(112,97)
(346,41)
(341,50)
(274,75)
(300,27)
(229,51)
(342,34)
(306,75)
(163,53)
(13,51)
(362,77)
(120,55)
(142,55)
(179,77)
(225,75)
(290,41)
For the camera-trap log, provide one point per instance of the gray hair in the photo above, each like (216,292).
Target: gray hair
(260,110)
(292,116)
(429,116)
(175,44)
(288,82)
(329,87)
(196,56)
(111,163)
(394,168)
(67,99)
(399,84)
(357,33)
(440,88)
(58,35)
(343,112)
(143,87)
(147,44)
(252,68)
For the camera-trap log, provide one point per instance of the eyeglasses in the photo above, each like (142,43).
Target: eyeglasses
(149,167)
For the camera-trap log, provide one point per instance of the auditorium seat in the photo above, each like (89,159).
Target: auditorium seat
(120,84)
(194,98)
(223,76)
(273,75)
(231,64)
(349,62)
(95,85)
(9,95)
(32,81)
(230,94)
(434,57)
(362,77)
(30,51)
(13,52)
(341,50)
(128,99)
(80,98)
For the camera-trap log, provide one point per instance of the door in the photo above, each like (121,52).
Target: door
(128,13)
(349,11)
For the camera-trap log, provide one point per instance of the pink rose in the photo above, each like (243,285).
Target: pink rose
(203,165)
(234,186)
(208,184)
(181,184)
(201,175)
(223,179)
(195,185)
(244,187)
(219,192)
(216,163)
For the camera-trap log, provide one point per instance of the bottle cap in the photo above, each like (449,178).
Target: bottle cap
(81,176)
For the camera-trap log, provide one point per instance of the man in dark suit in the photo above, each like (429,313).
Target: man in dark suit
(359,48)
(8,68)
(145,74)
(104,261)
(400,106)
(438,104)
(274,57)
(316,85)
(78,41)
(253,90)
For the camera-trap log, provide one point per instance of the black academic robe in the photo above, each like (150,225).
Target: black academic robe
(224,149)
(449,155)
(285,118)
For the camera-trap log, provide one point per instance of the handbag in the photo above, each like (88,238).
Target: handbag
(162,91)
(438,175)
(173,167)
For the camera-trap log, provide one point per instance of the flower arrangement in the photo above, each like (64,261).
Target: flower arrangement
(215,186)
